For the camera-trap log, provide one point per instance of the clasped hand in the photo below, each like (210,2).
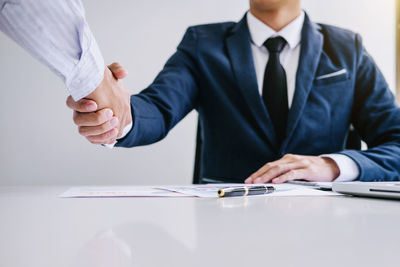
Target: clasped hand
(102,115)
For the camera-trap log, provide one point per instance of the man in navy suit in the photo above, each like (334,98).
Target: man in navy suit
(276,93)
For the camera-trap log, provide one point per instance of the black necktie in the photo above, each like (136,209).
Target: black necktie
(275,88)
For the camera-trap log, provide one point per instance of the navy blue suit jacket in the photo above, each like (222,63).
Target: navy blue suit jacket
(212,71)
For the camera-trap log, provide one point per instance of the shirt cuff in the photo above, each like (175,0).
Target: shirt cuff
(348,168)
(126,130)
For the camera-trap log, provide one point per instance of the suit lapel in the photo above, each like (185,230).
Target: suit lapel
(310,52)
(239,50)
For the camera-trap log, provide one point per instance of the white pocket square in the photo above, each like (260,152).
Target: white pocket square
(333,74)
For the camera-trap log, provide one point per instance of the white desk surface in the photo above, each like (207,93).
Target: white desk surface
(38,229)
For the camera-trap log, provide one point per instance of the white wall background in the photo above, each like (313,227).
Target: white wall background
(40,145)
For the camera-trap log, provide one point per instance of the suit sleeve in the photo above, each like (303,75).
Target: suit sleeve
(172,95)
(376,117)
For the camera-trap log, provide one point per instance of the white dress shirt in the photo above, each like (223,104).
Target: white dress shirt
(289,58)
(56,33)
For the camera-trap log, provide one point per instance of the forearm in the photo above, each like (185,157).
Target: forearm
(172,95)
(376,117)
(151,122)
(56,33)
(381,163)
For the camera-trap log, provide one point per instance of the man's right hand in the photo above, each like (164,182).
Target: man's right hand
(102,115)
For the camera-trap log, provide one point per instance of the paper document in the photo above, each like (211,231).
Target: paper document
(210,190)
(204,191)
(316,185)
(119,191)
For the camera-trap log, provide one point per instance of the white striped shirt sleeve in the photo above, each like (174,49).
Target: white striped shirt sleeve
(57,34)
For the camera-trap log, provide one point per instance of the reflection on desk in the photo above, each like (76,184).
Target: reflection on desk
(40,229)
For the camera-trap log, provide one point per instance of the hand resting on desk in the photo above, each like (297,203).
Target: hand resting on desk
(295,167)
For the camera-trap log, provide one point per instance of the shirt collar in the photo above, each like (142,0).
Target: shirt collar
(260,32)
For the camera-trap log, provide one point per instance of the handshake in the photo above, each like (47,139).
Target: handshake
(102,116)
